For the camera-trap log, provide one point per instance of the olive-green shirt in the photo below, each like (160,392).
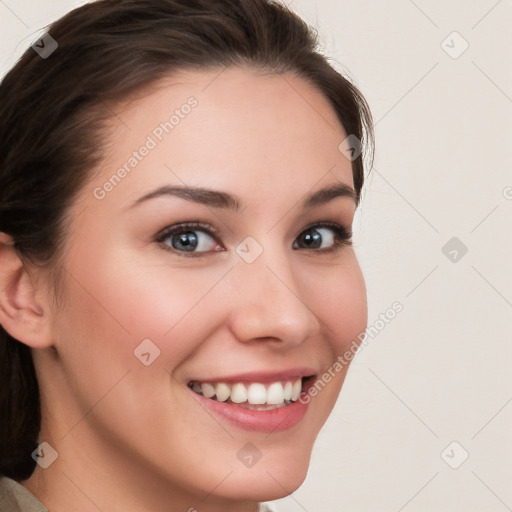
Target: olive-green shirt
(16,498)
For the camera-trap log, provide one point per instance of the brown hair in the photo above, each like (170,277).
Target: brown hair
(52,111)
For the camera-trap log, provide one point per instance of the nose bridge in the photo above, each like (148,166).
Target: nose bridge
(268,303)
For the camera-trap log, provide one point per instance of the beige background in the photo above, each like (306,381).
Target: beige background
(440,371)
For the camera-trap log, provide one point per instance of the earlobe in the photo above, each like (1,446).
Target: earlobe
(22,314)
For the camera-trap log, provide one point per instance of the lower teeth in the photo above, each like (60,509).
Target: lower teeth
(259,407)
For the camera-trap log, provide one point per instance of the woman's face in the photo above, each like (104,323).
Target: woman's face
(251,296)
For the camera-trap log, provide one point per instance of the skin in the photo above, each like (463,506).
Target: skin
(131,437)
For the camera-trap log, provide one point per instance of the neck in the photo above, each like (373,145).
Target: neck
(83,484)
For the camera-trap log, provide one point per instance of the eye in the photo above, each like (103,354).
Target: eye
(327,236)
(191,238)
(198,238)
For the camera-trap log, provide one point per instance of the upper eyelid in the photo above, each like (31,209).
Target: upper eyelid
(211,230)
(194,226)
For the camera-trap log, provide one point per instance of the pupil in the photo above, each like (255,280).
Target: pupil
(188,241)
(314,239)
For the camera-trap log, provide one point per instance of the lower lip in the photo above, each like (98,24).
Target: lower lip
(273,420)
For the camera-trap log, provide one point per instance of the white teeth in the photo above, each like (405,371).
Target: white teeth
(257,394)
(288,390)
(222,391)
(297,385)
(207,389)
(275,393)
(254,394)
(238,393)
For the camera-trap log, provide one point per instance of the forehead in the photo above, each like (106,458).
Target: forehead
(232,129)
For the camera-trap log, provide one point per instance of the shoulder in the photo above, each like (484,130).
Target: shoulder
(264,507)
(16,498)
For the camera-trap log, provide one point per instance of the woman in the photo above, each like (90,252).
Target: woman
(178,181)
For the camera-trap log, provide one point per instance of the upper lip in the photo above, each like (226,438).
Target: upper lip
(262,377)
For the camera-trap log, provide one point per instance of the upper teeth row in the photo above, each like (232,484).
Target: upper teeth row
(255,393)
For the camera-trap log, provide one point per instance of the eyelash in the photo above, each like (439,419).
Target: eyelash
(342,236)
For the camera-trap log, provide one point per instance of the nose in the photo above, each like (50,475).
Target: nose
(269,303)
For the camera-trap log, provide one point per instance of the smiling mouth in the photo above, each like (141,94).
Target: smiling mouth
(254,396)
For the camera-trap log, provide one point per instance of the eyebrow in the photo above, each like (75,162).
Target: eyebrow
(220,199)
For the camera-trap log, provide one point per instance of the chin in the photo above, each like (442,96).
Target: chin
(261,485)
(276,474)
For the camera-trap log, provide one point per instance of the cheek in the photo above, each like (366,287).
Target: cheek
(123,302)
(121,299)
(341,304)
(114,303)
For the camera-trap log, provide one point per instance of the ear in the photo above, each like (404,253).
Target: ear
(23,313)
